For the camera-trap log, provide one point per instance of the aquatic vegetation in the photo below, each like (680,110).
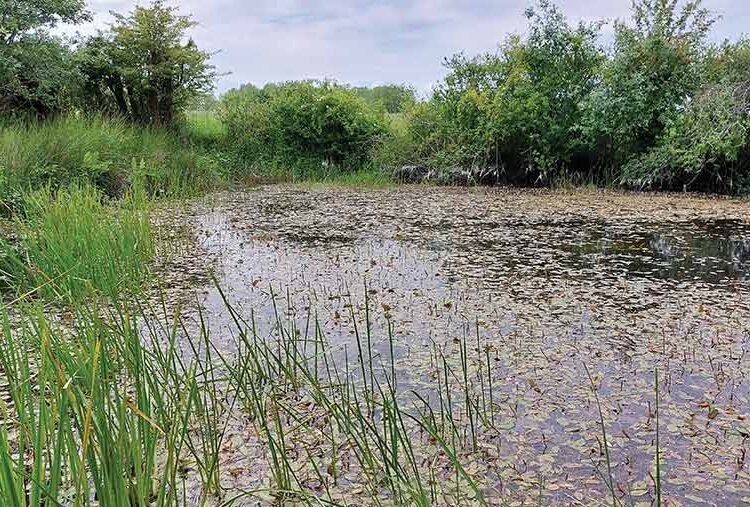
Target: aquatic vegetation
(483,306)
(383,346)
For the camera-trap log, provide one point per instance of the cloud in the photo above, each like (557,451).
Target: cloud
(368,41)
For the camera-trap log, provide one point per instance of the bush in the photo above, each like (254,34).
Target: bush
(301,126)
(663,109)
(515,113)
(652,75)
(708,144)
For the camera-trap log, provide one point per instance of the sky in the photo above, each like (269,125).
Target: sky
(367,42)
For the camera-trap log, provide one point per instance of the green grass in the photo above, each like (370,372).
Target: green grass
(75,192)
(89,413)
(205,129)
(72,245)
(314,174)
(123,415)
(361,178)
(106,153)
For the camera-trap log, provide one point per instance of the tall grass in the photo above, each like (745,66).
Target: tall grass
(118,411)
(88,414)
(72,245)
(204,128)
(395,439)
(206,131)
(107,153)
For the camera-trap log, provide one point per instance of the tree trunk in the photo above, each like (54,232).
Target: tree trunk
(118,91)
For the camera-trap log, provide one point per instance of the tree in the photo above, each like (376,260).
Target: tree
(19,18)
(650,78)
(35,68)
(536,111)
(707,143)
(517,110)
(102,88)
(392,98)
(146,66)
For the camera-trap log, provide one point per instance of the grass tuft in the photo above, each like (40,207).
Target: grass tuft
(72,245)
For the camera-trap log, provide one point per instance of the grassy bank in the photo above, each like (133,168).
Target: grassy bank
(75,195)
(107,154)
(207,132)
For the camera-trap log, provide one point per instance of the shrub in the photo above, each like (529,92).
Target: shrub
(708,143)
(301,126)
(517,111)
(646,84)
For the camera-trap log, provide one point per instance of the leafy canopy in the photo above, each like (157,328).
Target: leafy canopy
(35,69)
(146,67)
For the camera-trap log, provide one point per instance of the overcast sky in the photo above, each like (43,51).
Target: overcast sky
(365,42)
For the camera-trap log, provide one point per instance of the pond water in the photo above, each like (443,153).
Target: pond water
(545,284)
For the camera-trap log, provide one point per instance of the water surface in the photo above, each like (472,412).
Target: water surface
(548,281)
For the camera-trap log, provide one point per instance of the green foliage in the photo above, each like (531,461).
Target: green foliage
(73,246)
(518,110)
(391,98)
(708,144)
(111,155)
(35,68)
(144,68)
(300,125)
(652,73)
(536,110)
(93,413)
(204,129)
(662,109)
(19,18)
(704,141)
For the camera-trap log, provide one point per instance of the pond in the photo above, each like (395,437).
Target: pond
(542,286)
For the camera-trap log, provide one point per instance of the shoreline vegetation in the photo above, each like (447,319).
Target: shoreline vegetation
(103,403)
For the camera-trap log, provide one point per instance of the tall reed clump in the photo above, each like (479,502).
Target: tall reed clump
(103,413)
(72,245)
(105,153)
